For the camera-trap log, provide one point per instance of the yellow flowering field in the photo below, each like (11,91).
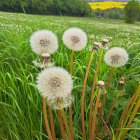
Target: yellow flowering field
(107,5)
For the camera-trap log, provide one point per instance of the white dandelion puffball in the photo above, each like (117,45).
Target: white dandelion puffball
(116,57)
(75,39)
(44,41)
(54,82)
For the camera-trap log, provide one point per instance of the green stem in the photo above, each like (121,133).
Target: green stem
(134,112)
(132,102)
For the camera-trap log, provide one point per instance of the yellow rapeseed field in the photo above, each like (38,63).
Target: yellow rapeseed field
(107,5)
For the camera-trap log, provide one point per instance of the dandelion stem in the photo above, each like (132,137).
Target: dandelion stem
(110,78)
(71,62)
(104,98)
(95,114)
(45,60)
(70,108)
(108,116)
(61,125)
(83,95)
(92,92)
(52,122)
(46,119)
(129,108)
(66,124)
(137,106)
(109,132)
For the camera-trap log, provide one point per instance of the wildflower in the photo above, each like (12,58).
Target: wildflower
(101,84)
(55,84)
(122,80)
(116,57)
(75,39)
(96,46)
(105,42)
(108,38)
(44,41)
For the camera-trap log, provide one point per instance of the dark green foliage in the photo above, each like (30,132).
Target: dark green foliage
(57,7)
(132,11)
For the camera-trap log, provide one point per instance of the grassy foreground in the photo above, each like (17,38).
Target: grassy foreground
(20,103)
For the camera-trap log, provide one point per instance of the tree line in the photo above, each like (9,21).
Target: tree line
(53,7)
(130,13)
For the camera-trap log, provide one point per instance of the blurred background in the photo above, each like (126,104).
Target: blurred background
(113,9)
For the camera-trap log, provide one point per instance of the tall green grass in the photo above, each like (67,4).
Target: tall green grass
(20,103)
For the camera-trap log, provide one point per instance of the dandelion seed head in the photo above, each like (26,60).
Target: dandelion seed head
(44,41)
(101,83)
(75,39)
(116,57)
(105,40)
(54,82)
(97,46)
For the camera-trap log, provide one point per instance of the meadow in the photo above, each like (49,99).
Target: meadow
(21,115)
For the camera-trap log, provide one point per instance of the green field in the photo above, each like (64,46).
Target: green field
(20,102)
